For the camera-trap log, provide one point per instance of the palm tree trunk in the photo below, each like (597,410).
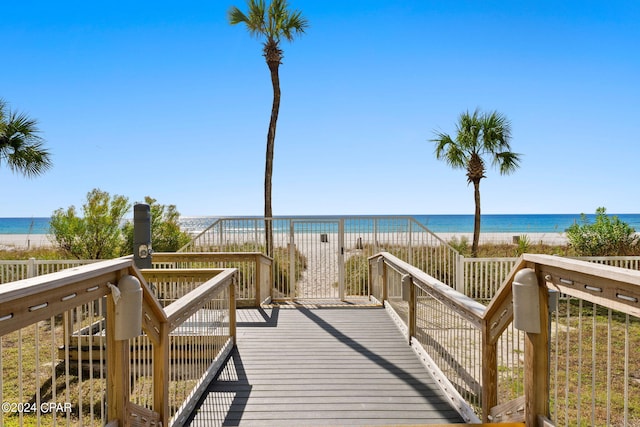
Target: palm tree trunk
(271,137)
(476,221)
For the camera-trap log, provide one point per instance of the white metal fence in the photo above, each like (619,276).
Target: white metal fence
(327,257)
(14,270)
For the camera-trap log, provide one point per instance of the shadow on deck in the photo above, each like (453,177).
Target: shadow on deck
(302,366)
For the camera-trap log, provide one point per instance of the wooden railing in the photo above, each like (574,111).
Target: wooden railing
(196,334)
(254,281)
(481,360)
(61,362)
(435,319)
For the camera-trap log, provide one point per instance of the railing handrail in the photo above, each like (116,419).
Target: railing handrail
(35,285)
(189,303)
(34,299)
(200,273)
(469,308)
(611,287)
(161,257)
(602,283)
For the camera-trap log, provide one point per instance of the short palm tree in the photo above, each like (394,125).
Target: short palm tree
(478,135)
(272,23)
(21,148)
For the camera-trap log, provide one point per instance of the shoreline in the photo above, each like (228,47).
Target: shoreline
(29,241)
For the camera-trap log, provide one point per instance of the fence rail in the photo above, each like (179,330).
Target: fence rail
(62,364)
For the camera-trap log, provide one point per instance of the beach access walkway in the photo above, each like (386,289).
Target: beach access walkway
(302,365)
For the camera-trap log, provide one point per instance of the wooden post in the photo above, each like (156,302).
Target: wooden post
(258,280)
(385,285)
(268,278)
(117,369)
(271,278)
(161,360)
(232,310)
(460,274)
(32,271)
(536,362)
(489,373)
(371,278)
(412,308)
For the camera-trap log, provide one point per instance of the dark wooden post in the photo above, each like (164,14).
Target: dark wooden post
(142,236)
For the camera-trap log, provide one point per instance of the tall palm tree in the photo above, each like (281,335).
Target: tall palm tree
(272,23)
(21,148)
(478,135)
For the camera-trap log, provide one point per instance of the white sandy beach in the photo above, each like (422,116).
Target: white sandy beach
(24,241)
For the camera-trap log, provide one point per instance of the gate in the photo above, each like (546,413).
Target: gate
(321,244)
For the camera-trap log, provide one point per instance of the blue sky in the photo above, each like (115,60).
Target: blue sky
(166,99)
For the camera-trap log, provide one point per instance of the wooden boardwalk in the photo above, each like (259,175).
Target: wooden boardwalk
(327,366)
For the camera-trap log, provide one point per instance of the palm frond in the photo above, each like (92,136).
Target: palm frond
(294,24)
(3,106)
(30,160)
(496,132)
(507,162)
(447,150)
(254,20)
(21,148)
(468,130)
(20,123)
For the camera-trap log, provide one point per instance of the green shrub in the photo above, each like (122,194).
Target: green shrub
(607,236)
(99,232)
(356,275)
(281,264)
(523,245)
(461,245)
(96,234)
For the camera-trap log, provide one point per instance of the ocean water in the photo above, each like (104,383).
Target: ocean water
(24,225)
(504,223)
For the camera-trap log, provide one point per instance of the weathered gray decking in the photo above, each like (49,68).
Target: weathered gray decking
(328,366)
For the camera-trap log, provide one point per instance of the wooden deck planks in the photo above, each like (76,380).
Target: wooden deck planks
(328,367)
